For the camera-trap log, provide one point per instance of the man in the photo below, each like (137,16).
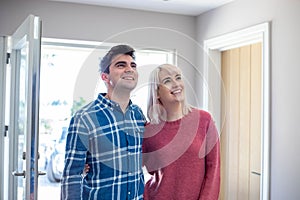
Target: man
(107,135)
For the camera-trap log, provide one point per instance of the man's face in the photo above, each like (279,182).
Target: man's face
(122,73)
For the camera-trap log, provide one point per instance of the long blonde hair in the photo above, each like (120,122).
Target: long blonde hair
(155,110)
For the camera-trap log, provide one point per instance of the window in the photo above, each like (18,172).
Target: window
(69,80)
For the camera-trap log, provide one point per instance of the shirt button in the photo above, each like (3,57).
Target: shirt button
(128,193)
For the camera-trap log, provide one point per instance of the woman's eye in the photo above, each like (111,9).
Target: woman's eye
(178,77)
(166,81)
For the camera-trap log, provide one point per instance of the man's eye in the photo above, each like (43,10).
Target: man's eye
(133,65)
(120,65)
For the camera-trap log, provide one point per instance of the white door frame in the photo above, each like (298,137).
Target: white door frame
(212,92)
(3,50)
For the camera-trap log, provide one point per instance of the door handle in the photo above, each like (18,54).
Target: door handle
(255,173)
(42,173)
(15,173)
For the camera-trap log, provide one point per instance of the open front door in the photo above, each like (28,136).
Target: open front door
(24,108)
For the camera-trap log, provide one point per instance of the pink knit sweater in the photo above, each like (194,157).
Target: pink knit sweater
(183,158)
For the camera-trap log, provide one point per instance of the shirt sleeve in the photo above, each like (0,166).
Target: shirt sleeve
(75,156)
(146,154)
(211,185)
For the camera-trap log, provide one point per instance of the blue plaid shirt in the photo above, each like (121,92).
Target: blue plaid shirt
(110,142)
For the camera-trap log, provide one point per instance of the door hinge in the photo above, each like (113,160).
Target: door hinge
(5,130)
(7,58)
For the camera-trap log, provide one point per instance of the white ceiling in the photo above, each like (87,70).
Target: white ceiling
(184,7)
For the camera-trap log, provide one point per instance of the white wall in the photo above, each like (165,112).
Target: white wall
(72,21)
(95,23)
(285,88)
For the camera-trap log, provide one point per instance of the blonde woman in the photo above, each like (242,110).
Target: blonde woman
(181,143)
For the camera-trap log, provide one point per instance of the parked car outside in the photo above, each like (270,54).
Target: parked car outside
(55,163)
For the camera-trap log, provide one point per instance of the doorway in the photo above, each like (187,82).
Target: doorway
(215,86)
(69,79)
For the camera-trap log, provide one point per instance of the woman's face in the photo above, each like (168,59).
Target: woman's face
(171,87)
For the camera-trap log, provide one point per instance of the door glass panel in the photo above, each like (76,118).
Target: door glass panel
(22,121)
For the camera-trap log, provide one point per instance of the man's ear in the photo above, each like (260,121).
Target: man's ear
(105,77)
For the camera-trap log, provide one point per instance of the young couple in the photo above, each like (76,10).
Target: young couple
(179,145)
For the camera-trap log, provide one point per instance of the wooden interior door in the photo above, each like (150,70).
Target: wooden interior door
(241,133)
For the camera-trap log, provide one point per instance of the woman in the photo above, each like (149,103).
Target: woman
(181,144)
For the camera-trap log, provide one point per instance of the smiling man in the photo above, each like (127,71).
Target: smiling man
(107,135)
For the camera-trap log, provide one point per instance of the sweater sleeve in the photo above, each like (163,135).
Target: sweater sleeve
(75,156)
(146,160)
(211,185)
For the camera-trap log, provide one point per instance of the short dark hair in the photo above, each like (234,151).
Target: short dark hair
(116,50)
